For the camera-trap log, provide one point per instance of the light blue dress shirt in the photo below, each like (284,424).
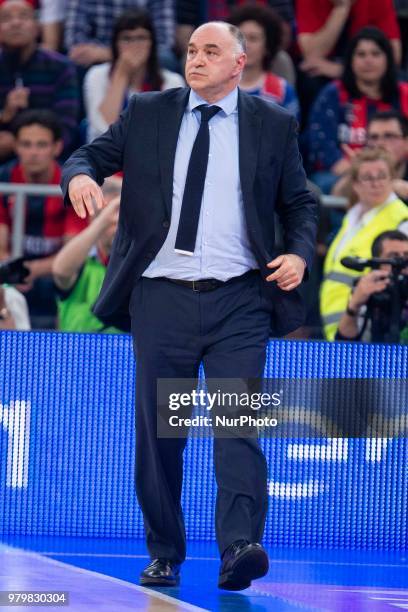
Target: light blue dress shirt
(222,247)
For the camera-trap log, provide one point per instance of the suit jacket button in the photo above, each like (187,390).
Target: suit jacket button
(166,224)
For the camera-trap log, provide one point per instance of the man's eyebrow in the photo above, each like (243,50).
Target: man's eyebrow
(207,46)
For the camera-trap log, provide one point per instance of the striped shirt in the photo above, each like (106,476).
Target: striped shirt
(92,21)
(51,79)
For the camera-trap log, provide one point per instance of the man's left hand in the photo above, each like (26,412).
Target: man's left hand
(289,273)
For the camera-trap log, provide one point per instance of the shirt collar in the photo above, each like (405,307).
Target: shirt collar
(373,211)
(228,104)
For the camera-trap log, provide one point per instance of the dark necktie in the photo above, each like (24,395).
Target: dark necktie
(194,187)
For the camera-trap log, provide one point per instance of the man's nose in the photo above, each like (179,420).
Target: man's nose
(15,20)
(199,59)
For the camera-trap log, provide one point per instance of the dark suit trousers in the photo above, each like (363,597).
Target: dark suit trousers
(173,329)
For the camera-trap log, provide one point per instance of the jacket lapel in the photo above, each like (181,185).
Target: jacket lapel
(171,115)
(250,124)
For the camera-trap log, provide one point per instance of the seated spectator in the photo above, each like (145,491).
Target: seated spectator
(342,110)
(378,209)
(262,29)
(32,77)
(13,309)
(51,18)
(88,27)
(325,28)
(48,224)
(192,13)
(358,322)
(388,130)
(79,268)
(134,68)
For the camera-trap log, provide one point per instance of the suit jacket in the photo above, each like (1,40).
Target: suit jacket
(143,143)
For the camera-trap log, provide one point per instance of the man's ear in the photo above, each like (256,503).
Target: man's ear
(241,61)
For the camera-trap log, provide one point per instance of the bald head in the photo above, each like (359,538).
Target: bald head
(234,32)
(215,60)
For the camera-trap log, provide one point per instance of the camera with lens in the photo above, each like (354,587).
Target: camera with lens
(385,308)
(384,298)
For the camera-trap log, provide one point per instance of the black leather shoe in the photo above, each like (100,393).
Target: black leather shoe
(161,572)
(241,563)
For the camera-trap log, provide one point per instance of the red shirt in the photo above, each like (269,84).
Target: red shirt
(311,15)
(47,220)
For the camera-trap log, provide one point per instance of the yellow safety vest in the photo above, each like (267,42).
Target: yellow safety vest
(338,280)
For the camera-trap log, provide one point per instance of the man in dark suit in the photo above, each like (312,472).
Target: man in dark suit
(194,263)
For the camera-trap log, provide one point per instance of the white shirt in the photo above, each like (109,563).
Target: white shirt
(95,86)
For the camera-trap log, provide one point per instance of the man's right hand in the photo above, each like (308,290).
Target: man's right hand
(373,282)
(83,192)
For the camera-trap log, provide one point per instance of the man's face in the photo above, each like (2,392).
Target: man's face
(18,27)
(36,149)
(394,248)
(213,64)
(388,135)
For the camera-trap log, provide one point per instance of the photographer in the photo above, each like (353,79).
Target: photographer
(358,322)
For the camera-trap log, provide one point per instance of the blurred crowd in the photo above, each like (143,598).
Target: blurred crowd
(68,69)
